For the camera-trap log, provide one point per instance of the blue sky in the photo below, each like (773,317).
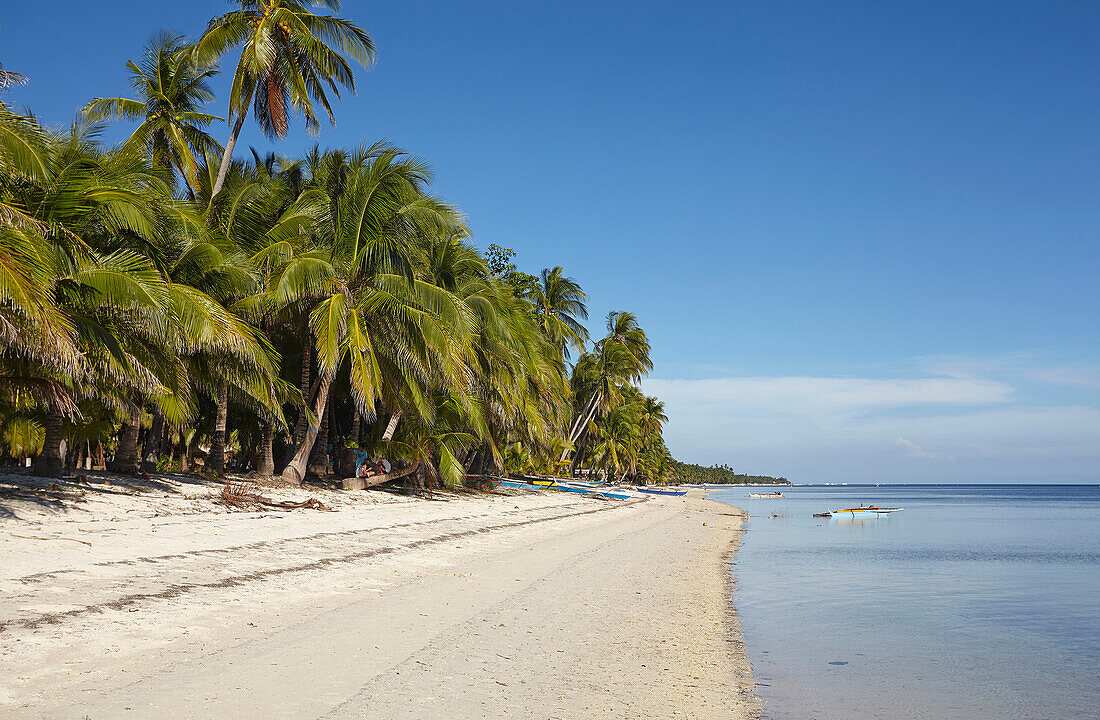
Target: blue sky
(861,236)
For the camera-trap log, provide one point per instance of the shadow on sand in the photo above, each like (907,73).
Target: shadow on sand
(20,489)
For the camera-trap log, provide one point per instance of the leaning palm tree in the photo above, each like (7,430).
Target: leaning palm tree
(289,56)
(172,88)
(600,376)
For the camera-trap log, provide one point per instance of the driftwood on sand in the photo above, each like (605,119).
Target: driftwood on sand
(242,494)
(362,483)
(36,537)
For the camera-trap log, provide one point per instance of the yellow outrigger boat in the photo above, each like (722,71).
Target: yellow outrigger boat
(864,511)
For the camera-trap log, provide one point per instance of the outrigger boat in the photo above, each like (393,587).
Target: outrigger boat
(654,491)
(777,495)
(518,485)
(864,511)
(565,486)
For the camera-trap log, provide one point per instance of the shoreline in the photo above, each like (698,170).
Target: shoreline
(545,605)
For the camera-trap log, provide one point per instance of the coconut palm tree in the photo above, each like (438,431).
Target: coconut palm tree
(617,360)
(623,330)
(517,385)
(110,321)
(358,272)
(172,89)
(289,57)
(618,439)
(653,417)
(560,307)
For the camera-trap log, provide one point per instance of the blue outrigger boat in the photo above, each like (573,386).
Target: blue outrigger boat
(655,491)
(613,493)
(518,485)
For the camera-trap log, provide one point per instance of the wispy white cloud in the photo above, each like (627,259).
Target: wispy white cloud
(969,420)
(832,395)
(916,451)
(1038,366)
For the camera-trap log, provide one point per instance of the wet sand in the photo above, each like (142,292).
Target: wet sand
(535,606)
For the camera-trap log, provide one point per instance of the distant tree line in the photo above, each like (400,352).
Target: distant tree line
(719,475)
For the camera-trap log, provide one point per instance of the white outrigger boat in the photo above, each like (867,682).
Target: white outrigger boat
(863,511)
(777,495)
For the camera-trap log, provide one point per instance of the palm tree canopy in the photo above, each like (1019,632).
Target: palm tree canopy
(623,331)
(560,304)
(172,89)
(290,58)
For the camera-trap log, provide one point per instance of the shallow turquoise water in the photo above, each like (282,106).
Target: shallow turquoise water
(973,602)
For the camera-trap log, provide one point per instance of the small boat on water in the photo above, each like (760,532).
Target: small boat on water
(655,491)
(777,495)
(864,511)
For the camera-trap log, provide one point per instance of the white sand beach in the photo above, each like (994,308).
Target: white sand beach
(147,600)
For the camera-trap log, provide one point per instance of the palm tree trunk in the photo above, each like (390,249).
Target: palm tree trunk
(49,462)
(126,457)
(476,465)
(153,442)
(579,419)
(581,423)
(391,428)
(227,155)
(356,423)
(217,443)
(319,463)
(266,467)
(578,456)
(486,458)
(300,426)
(185,450)
(295,472)
(468,458)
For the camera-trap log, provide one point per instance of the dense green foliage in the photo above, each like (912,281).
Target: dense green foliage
(719,475)
(163,303)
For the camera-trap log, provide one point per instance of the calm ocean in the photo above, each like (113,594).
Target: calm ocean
(975,602)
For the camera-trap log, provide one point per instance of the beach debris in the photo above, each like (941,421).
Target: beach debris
(36,537)
(243,494)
